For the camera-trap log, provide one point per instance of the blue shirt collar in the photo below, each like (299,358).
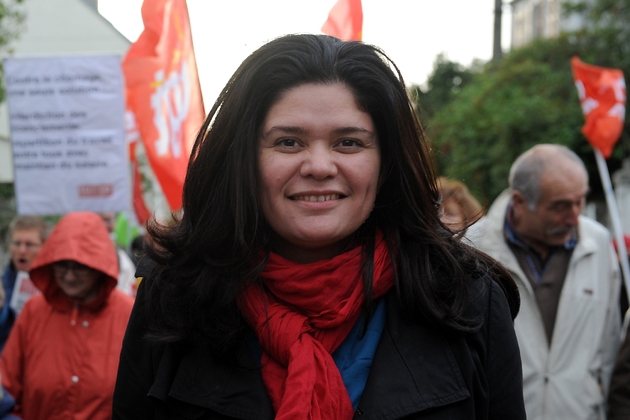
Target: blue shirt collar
(513,237)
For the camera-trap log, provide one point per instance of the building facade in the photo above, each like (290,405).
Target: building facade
(532,19)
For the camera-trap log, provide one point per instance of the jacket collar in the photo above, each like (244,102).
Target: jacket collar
(201,383)
(427,374)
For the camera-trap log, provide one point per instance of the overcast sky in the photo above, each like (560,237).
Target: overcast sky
(411,32)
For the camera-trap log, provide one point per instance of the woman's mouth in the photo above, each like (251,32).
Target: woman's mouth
(314,198)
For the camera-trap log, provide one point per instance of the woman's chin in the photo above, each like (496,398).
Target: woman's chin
(310,249)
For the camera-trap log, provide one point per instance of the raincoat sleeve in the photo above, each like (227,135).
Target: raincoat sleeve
(12,358)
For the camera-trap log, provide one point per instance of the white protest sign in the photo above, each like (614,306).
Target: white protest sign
(67,133)
(22,291)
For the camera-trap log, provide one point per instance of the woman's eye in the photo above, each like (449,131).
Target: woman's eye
(287,143)
(349,143)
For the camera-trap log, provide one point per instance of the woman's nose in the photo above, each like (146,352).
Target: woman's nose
(319,163)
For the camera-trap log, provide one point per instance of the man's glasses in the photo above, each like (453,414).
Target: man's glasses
(28,245)
(61,268)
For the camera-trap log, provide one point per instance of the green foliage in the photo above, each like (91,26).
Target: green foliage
(444,84)
(8,212)
(11,24)
(527,98)
(601,14)
(11,20)
(7,209)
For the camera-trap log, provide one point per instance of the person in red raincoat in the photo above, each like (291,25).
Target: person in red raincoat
(61,358)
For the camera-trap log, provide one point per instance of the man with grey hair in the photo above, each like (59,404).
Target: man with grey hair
(568,277)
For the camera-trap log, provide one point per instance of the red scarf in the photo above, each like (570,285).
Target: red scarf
(304,313)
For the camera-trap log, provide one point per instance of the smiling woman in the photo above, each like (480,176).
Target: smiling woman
(319,166)
(309,275)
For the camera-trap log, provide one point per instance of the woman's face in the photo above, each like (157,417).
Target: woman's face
(319,166)
(77,281)
(453,215)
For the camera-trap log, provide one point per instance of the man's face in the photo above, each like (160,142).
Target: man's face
(24,246)
(563,190)
(109,219)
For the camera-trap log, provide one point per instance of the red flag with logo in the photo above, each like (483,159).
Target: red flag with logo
(163,92)
(602,94)
(345,20)
(133,136)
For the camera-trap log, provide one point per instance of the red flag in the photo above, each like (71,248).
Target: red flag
(603,98)
(345,20)
(132,134)
(163,92)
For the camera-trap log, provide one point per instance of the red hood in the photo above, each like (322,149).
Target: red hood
(82,237)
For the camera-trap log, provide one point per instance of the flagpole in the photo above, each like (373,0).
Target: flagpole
(614,217)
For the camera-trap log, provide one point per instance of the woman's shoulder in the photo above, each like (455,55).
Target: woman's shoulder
(489,290)
(145,267)
(489,278)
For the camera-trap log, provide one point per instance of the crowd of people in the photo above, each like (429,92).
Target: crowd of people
(319,269)
(59,356)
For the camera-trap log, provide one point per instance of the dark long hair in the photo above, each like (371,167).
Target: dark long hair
(221,240)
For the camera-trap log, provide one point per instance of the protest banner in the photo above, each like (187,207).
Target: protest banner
(23,290)
(66,116)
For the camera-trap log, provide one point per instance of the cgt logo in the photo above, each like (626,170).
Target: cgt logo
(602,93)
(170,103)
(93,191)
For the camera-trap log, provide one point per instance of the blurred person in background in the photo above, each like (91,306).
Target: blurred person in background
(568,275)
(623,295)
(61,357)
(7,404)
(7,319)
(619,395)
(26,236)
(459,208)
(126,267)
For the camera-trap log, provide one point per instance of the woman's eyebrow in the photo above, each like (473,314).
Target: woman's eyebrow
(301,130)
(352,130)
(289,129)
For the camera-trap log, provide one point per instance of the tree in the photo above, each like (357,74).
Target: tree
(11,24)
(443,85)
(527,98)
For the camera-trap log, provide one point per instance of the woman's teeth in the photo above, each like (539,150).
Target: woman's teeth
(316,197)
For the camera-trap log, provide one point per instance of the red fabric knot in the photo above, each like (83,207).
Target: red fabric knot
(301,316)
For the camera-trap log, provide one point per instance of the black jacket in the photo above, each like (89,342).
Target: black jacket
(418,372)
